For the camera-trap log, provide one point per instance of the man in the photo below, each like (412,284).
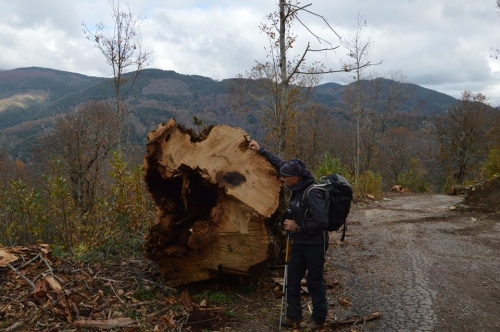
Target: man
(309,239)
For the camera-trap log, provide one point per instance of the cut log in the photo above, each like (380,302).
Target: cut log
(216,200)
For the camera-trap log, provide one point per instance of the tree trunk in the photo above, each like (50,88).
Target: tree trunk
(217,202)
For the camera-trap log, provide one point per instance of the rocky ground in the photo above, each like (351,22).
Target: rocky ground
(423,262)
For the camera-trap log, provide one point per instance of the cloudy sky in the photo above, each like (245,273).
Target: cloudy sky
(444,45)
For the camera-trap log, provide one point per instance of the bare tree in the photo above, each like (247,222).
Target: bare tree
(122,50)
(307,136)
(82,139)
(260,94)
(276,89)
(398,147)
(359,52)
(460,135)
(496,50)
(383,103)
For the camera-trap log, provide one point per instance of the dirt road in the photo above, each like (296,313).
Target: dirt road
(421,265)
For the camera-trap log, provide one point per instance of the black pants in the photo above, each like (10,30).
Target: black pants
(310,258)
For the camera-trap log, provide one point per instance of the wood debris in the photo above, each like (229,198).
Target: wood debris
(45,293)
(105,324)
(355,320)
(41,292)
(6,258)
(399,189)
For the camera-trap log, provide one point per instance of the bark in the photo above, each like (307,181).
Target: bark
(217,202)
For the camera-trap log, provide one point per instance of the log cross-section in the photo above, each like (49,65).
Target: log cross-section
(216,201)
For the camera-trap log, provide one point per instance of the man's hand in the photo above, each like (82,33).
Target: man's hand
(290,225)
(254,146)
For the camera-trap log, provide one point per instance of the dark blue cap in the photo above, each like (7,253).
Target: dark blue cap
(294,167)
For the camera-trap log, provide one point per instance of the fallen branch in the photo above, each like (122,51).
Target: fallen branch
(201,321)
(31,261)
(21,275)
(119,298)
(184,320)
(49,268)
(244,298)
(14,327)
(105,279)
(354,320)
(2,310)
(105,324)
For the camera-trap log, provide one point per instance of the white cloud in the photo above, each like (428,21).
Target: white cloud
(443,45)
(218,46)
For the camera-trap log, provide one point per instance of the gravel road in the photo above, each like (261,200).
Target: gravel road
(421,265)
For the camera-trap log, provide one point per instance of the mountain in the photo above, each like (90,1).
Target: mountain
(425,100)
(31,97)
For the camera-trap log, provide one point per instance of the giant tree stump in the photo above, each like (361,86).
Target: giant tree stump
(216,200)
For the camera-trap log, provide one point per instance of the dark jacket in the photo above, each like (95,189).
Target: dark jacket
(312,230)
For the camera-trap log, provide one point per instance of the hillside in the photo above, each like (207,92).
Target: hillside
(31,97)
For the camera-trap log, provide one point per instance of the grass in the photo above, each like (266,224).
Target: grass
(213,297)
(146,293)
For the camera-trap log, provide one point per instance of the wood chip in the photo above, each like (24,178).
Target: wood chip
(6,258)
(53,283)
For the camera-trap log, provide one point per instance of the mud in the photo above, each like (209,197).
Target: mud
(422,265)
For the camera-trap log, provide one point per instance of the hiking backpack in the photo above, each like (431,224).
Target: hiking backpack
(338,195)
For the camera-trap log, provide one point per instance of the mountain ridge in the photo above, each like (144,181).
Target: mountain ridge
(31,96)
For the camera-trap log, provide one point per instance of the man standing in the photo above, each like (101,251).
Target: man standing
(309,239)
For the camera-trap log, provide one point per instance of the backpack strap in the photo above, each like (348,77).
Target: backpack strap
(305,198)
(343,232)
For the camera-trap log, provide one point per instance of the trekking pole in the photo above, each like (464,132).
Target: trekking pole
(284,297)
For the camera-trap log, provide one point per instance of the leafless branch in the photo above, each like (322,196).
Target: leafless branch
(320,16)
(324,49)
(295,70)
(21,275)
(345,69)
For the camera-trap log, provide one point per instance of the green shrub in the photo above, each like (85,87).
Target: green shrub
(129,202)
(492,165)
(121,214)
(369,184)
(22,215)
(414,179)
(330,165)
(213,297)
